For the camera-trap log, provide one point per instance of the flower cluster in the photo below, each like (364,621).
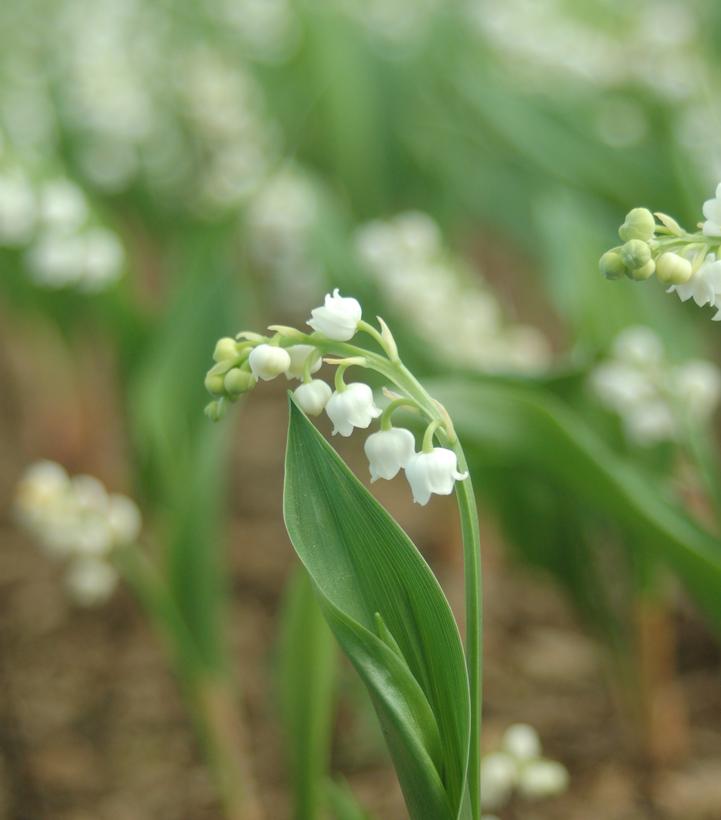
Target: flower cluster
(51,221)
(417,275)
(77,520)
(519,766)
(241,362)
(688,263)
(652,396)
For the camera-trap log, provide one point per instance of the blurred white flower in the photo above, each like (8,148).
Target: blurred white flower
(648,393)
(75,518)
(420,279)
(499,773)
(521,741)
(62,206)
(352,407)
(17,208)
(540,779)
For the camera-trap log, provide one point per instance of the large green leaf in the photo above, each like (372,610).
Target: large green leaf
(517,425)
(389,615)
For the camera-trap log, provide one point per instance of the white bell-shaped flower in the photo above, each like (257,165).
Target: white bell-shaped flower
(268,361)
(712,212)
(542,778)
(704,286)
(388,451)
(313,397)
(90,581)
(433,472)
(298,357)
(338,318)
(352,407)
(123,519)
(499,774)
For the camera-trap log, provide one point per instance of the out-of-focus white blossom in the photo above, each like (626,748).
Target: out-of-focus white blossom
(519,767)
(17,208)
(338,318)
(649,393)
(352,407)
(398,24)
(541,779)
(712,214)
(419,278)
(76,519)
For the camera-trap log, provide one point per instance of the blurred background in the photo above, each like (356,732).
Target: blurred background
(171,173)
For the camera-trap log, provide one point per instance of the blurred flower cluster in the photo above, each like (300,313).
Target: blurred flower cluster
(50,220)
(419,277)
(652,396)
(75,519)
(139,99)
(518,766)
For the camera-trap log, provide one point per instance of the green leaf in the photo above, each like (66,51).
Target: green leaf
(371,579)
(513,426)
(306,675)
(343,804)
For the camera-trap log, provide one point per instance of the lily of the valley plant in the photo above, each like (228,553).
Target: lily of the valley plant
(378,595)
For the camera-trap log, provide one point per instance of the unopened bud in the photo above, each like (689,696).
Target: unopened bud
(639,224)
(238,381)
(215,410)
(642,273)
(215,383)
(673,269)
(225,349)
(635,253)
(612,265)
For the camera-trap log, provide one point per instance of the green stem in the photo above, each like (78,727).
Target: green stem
(385,419)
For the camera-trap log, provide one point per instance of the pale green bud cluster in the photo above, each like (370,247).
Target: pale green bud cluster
(648,248)
(229,377)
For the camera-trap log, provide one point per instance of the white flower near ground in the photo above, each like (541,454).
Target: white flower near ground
(433,473)
(388,451)
(62,206)
(541,779)
(712,214)
(352,407)
(76,519)
(519,767)
(521,741)
(313,397)
(298,357)
(268,361)
(338,318)
(638,345)
(90,581)
(499,774)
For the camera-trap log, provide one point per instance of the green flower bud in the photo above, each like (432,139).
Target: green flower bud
(673,269)
(642,273)
(612,265)
(639,224)
(225,349)
(215,383)
(215,410)
(635,254)
(238,381)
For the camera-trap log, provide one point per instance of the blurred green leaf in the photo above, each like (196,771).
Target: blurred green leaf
(343,804)
(515,425)
(390,616)
(306,673)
